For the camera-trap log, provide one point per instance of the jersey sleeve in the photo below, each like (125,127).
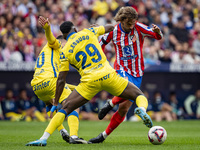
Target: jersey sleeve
(97,30)
(106,39)
(64,62)
(148,32)
(56,45)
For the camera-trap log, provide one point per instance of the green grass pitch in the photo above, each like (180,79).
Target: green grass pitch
(181,135)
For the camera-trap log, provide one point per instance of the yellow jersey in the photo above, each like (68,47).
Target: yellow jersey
(84,53)
(48,63)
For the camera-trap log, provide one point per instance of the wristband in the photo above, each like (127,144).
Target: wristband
(53,108)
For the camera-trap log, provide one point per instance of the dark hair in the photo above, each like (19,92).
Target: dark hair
(126,12)
(66,26)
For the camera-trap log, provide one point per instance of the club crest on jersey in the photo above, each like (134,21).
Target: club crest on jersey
(62,56)
(93,30)
(133,38)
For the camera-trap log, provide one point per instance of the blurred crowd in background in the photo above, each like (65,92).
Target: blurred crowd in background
(21,39)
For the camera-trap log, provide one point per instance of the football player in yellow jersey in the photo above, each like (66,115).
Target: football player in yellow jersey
(44,86)
(84,52)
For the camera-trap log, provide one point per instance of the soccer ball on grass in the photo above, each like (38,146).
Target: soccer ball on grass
(157,135)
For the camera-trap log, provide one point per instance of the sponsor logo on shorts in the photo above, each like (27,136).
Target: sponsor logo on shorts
(103,78)
(40,86)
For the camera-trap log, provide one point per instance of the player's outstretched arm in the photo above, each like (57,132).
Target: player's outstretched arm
(45,24)
(59,89)
(108,28)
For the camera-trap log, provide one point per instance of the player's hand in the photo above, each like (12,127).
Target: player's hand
(44,23)
(53,108)
(155,28)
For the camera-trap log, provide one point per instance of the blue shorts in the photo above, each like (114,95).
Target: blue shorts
(135,80)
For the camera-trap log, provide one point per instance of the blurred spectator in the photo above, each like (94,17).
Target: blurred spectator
(121,3)
(21,8)
(166,56)
(179,56)
(2,25)
(107,19)
(179,34)
(10,107)
(33,19)
(192,105)
(161,109)
(177,108)
(40,106)
(28,53)
(152,56)
(192,57)
(9,52)
(164,15)
(170,23)
(25,107)
(100,8)
(138,5)
(196,44)
(69,13)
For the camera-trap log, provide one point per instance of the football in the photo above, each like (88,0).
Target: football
(157,135)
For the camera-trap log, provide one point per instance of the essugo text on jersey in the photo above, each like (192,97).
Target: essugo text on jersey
(80,39)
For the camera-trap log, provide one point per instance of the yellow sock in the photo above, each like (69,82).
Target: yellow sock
(61,126)
(141,101)
(73,123)
(55,122)
(39,116)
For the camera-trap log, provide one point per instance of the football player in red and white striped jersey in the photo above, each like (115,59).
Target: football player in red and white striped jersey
(128,38)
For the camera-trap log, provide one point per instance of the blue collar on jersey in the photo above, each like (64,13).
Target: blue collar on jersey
(70,35)
(120,26)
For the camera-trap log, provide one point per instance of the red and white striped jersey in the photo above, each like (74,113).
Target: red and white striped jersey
(128,47)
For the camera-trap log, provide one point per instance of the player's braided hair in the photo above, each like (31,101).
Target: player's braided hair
(126,12)
(66,26)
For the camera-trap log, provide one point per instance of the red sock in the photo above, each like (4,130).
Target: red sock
(114,122)
(116,100)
